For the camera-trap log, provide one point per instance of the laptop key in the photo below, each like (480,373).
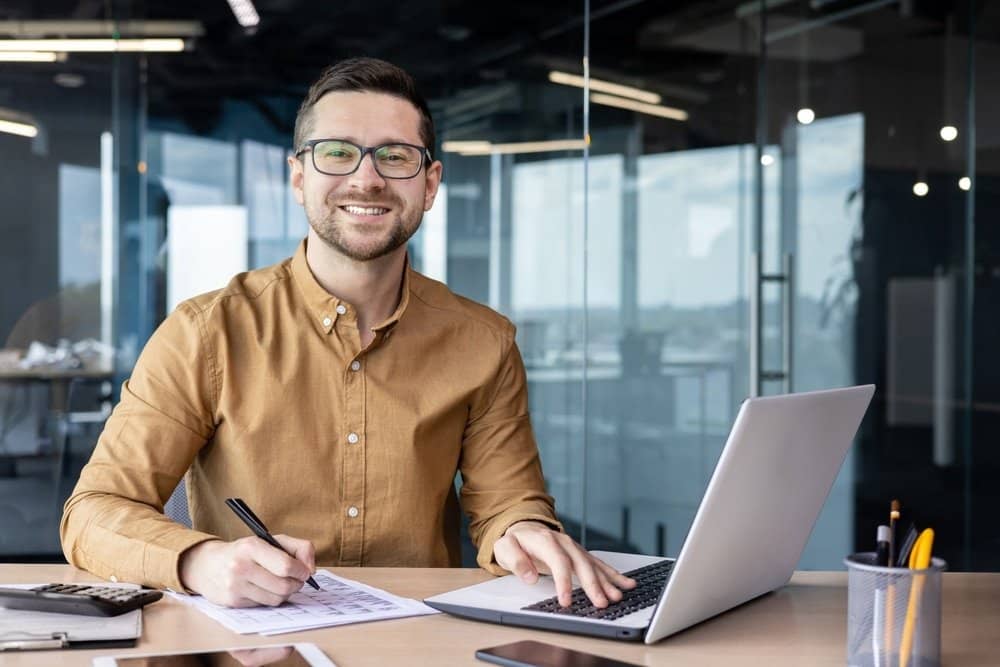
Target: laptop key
(650,582)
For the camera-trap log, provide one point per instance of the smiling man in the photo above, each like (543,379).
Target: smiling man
(338,393)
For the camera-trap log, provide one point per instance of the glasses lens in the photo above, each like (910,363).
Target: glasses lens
(336,157)
(398,160)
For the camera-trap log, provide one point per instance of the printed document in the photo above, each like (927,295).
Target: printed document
(338,602)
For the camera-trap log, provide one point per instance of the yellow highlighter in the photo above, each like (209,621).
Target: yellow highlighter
(920,559)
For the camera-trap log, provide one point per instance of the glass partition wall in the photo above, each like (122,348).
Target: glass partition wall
(679,205)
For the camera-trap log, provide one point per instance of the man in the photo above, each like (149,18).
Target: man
(337,393)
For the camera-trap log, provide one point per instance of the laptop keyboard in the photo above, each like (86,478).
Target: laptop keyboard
(650,582)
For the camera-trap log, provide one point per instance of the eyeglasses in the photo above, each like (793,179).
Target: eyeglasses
(339,157)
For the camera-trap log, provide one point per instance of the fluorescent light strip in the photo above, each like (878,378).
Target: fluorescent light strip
(605,87)
(93,45)
(651,109)
(245,12)
(471,148)
(463,146)
(29,56)
(22,129)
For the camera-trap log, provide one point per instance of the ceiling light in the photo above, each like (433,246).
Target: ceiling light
(471,148)
(949,133)
(245,12)
(805,115)
(464,146)
(87,28)
(21,129)
(965,183)
(766,159)
(30,56)
(93,45)
(651,109)
(921,189)
(69,80)
(605,87)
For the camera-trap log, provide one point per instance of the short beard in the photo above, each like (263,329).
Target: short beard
(332,233)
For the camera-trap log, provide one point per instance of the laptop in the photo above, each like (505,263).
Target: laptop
(769,485)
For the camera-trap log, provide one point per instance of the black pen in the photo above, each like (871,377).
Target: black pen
(882,546)
(246,515)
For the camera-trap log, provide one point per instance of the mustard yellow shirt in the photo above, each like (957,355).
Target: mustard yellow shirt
(262,391)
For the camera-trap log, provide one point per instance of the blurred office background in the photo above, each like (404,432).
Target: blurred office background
(789,195)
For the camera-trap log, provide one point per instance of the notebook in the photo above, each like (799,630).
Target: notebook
(769,485)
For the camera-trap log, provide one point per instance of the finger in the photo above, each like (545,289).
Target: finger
(255,596)
(274,560)
(544,549)
(614,576)
(303,550)
(592,579)
(514,559)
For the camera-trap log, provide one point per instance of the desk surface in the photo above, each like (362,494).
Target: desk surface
(804,623)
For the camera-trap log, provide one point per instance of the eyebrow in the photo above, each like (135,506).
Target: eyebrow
(381,142)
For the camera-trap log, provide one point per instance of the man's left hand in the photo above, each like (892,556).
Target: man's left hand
(530,548)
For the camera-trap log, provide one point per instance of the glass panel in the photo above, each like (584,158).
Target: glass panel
(978,426)
(670,350)
(55,225)
(872,213)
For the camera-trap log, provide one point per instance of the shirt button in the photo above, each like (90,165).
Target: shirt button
(327,321)
(352,438)
(355,365)
(353,511)
(113,579)
(341,309)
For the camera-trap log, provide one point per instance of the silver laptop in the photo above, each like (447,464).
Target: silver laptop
(768,488)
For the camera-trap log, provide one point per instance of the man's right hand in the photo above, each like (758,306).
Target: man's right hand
(248,572)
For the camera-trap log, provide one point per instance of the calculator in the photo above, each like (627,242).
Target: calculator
(84,599)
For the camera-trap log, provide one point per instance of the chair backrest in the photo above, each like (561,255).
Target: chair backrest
(176,507)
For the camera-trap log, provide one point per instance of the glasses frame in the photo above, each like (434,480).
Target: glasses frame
(310,145)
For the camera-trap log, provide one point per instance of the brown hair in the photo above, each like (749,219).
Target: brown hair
(364,75)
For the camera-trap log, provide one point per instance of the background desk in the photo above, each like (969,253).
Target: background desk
(802,624)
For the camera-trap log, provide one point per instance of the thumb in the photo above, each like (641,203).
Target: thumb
(302,550)
(511,556)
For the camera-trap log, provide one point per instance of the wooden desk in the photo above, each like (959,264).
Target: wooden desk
(802,624)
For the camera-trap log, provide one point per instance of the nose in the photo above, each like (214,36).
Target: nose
(365,177)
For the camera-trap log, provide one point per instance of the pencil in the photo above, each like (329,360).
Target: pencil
(920,559)
(890,594)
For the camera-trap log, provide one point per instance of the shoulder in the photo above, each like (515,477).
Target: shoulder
(249,289)
(454,310)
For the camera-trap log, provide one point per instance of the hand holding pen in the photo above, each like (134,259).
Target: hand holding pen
(249,571)
(243,511)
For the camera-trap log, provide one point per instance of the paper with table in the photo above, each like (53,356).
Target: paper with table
(338,602)
(25,630)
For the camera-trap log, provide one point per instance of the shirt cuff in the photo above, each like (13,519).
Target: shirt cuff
(498,527)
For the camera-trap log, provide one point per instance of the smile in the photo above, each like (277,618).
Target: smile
(363,210)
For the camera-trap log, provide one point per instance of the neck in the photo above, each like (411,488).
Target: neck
(372,286)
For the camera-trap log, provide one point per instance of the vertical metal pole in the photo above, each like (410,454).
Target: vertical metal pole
(787,315)
(586,215)
(970,285)
(756,287)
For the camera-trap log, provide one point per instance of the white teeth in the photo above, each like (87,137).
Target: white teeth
(360,210)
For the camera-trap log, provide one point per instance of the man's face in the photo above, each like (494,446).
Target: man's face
(364,215)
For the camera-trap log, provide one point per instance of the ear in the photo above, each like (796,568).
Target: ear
(434,172)
(296,175)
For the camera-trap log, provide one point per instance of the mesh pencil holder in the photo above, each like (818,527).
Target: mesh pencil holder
(893,614)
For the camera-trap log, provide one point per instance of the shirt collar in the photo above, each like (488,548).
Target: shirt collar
(324,306)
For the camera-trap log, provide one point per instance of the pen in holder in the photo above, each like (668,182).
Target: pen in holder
(893,613)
